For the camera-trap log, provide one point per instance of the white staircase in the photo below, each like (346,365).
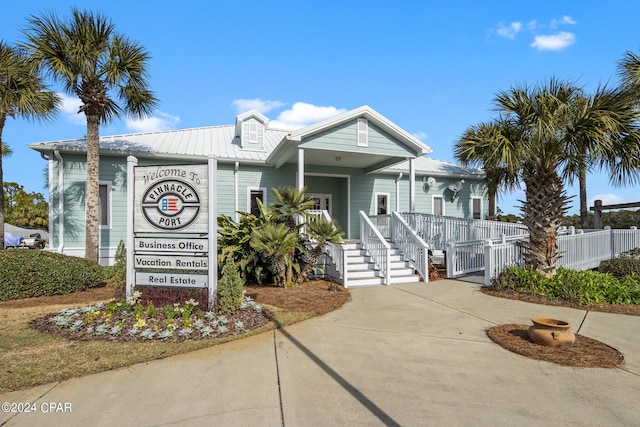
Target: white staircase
(361,271)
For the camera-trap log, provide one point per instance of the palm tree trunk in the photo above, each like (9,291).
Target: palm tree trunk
(3,118)
(582,181)
(491,194)
(93,188)
(544,208)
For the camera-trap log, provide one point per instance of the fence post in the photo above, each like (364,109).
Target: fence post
(489,260)
(451,259)
(597,208)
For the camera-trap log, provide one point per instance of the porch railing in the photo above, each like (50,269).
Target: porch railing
(414,248)
(376,246)
(438,230)
(335,251)
(383,224)
(339,257)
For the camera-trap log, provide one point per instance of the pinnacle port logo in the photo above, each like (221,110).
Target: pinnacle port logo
(171,204)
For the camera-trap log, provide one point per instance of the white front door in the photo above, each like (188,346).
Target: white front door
(322,202)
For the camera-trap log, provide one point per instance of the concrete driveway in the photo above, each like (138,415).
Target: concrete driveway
(411,355)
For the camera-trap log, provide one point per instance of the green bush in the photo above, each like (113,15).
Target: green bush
(30,273)
(230,289)
(581,287)
(620,267)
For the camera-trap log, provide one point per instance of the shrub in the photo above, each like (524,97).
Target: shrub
(581,287)
(230,289)
(30,273)
(119,269)
(620,267)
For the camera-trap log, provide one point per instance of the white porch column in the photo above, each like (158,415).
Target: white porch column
(412,185)
(300,180)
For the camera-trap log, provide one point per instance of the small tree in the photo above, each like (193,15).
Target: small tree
(230,289)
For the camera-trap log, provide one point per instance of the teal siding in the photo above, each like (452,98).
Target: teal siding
(341,183)
(114,170)
(344,138)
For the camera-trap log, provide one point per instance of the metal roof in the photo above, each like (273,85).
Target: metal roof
(223,143)
(430,166)
(196,142)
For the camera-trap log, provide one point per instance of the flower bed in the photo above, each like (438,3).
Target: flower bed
(130,320)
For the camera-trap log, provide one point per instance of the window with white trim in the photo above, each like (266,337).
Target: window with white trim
(104,204)
(363,132)
(437,205)
(253,194)
(382,203)
(476,207)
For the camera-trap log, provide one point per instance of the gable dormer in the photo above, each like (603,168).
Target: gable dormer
(250,130)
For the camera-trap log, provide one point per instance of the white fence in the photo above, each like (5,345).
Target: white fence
(579,251)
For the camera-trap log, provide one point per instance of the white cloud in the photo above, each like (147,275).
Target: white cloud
(262,105)
(510,30)
(607,199)
(69,108)
(302,114)
(562,21)
(553,41)
(161,121)
(422,136)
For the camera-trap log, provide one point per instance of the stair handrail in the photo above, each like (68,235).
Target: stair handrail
(414,248)
(376,246)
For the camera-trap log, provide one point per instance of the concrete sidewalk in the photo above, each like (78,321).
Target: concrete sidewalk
(396,355)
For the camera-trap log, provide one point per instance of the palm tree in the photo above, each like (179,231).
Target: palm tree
(321,232)
(100,66)
(5,150)
(533,153)
(276,242)
(479,142)
(22,93)
(601,133)
(291,202)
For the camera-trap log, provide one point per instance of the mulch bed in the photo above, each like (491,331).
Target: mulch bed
(315,296)
(628,309)
(585,353)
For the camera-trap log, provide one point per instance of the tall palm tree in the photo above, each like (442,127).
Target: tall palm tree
(100,66)
(22,93)
(479,142)
(601,132)
(5,150)
(532,153)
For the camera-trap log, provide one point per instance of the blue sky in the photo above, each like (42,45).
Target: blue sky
(431,67)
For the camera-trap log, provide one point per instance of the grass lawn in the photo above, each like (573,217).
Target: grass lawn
(29,358)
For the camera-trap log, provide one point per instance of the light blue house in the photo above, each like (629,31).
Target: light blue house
(355,161)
